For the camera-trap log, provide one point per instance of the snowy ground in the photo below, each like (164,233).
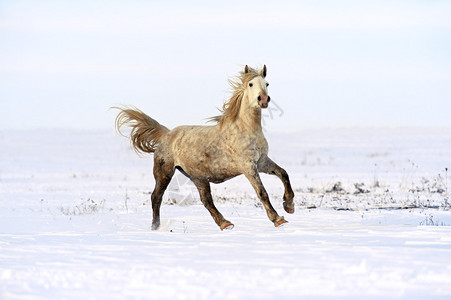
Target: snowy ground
(373,221)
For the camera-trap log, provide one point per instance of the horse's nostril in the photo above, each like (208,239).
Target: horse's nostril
(269,98)
(259,98)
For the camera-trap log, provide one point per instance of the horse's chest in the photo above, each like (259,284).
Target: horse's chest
(250,150)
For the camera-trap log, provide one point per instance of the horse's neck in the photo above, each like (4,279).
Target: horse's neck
(250,119)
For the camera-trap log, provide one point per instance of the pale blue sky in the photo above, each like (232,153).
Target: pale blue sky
(330,63)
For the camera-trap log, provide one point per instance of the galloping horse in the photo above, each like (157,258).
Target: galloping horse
(235,145)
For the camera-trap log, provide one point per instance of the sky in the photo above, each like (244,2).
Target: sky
(331,64)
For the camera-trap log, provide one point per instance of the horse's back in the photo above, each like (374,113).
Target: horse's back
(201,152)
(187,135)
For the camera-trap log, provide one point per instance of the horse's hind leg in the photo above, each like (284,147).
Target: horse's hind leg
(163,173)
(207,201)
(266,165)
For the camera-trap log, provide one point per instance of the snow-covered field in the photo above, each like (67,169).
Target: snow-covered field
(372,221)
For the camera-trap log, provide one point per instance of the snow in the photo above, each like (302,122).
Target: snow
(373,221)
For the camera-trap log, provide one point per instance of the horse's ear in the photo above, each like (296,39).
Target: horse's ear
(246,69)
(263,71)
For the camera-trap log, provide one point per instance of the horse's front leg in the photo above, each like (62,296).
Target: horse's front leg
(254,178)
(266,165)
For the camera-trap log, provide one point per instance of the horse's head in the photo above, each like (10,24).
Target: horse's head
(257,89)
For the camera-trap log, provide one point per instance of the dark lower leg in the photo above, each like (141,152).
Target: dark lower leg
(256,183)
(288,196)
(157,197)
(162,180)
(207,201)
(266,165)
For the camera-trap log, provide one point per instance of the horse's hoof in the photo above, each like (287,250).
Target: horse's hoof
(227,226)
(155,226)
(288,208)
(280,222)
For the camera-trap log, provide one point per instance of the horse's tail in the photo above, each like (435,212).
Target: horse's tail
(146,133)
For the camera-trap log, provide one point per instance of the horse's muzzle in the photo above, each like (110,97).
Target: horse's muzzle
(262,105)
(263,101)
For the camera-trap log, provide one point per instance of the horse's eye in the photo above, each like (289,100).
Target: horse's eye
(251,84)
(267,84)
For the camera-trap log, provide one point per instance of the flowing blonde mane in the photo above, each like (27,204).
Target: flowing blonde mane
(231,108)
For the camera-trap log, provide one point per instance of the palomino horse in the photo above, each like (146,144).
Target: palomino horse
(235,145)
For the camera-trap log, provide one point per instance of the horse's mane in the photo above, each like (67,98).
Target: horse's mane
(231,108)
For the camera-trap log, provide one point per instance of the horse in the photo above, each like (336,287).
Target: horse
(207,154)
